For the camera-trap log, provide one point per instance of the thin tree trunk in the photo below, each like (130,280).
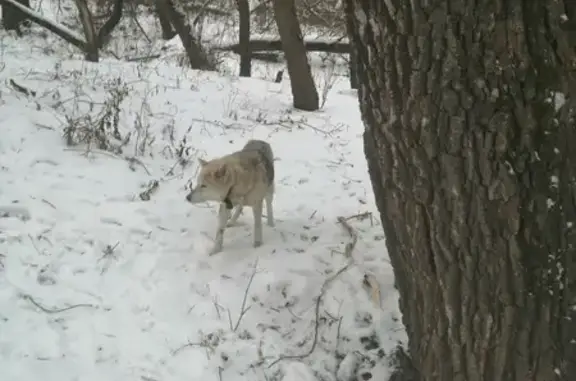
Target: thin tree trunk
(244,38)
(167,31)
(471,162)
(106,29)
(304,93)
(89,31)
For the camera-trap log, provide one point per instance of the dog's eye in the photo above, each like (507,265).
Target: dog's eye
(202,186)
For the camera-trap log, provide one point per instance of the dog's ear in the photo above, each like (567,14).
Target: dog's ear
(202,162)
(221,172)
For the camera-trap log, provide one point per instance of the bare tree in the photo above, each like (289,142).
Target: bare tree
(12,19)
(167,31)
(244,38)
(304,93)
(196,55)
(469,149)
(91,46)
(106,29)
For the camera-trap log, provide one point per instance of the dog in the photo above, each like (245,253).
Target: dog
(242,178)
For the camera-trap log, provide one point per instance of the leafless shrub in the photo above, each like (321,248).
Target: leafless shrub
(100,129)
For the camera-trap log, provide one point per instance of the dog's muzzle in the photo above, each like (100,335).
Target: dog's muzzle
(189,197)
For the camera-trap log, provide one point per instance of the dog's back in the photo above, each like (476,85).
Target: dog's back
(267,156)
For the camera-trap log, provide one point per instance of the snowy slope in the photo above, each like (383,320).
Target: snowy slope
(145,300)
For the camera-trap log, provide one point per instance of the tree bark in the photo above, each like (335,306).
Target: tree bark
(196,55)
(12,18)
(89,31)
(167,31)
(470,158)
(244,38)
(304,93)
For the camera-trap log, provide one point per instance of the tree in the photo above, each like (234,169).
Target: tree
(244,38)
(12,19)
(196,55)
(469,150)
(91,45)
(304,93)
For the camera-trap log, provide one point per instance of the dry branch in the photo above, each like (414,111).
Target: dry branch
(59,30)
(261,45)
(22,89)
(348,254)
(53,310)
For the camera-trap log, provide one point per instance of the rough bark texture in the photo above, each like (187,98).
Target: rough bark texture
(89,31)
(244,38)
(304,93)
(472,165)
(12,18)
(196,55)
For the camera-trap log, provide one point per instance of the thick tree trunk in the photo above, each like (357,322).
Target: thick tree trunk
(12,18)
(244,38)
(304,93)
(471,161)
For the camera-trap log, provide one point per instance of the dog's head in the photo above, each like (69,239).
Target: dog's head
(212,183)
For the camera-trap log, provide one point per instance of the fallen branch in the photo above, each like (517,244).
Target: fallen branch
(59,30)
(262,45)
(152,188)
(21,88)
(243,308)
(348,254)
(53,310)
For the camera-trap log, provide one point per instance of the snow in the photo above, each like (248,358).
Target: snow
(97,284)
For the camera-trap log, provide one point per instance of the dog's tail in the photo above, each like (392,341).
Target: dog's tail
(265,150)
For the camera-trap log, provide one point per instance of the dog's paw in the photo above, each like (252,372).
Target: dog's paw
(257,243)
(271,224)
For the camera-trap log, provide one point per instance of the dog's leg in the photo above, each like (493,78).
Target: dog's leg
(235,216)
(257,211)
(269,211)
(223,215)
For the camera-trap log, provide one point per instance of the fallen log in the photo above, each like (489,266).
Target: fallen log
(276,45)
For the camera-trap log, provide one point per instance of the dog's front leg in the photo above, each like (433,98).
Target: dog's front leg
(257,211)
(235,216)
(223,215)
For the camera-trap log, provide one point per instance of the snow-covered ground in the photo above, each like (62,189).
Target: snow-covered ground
(98,284)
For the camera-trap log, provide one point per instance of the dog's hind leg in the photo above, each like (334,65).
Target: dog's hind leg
(257,211)
(269,212)
(235,216)
(223,215)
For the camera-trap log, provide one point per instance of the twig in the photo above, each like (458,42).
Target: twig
(243,308)
(188,344)
(152,187)
(323,290)
(133,160)
(348,254)
(22,89)
(352,233)
(53,310)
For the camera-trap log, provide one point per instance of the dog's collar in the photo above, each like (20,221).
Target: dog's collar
(227,201)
